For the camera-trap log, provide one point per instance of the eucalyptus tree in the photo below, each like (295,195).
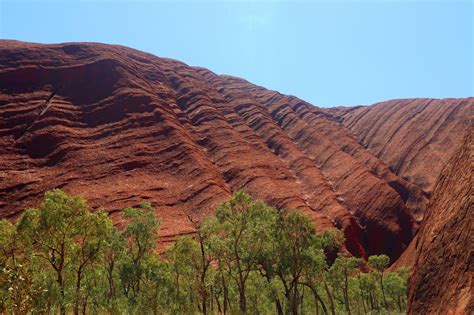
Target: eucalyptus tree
(316,274)
(395,284)
(192,265)
(112,257)
(141,234)
(243,229)
(343,268)
(17,289)
(380,263)
(297,250)
(67,237)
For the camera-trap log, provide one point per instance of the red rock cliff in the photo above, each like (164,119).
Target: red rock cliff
(415,137)
(121,126)
(441,282)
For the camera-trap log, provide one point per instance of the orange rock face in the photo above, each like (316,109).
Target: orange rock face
(441,282)
(121,126)
(415,137)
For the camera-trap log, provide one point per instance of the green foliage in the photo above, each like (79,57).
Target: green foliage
(246,258)
(379,262)
(140,237)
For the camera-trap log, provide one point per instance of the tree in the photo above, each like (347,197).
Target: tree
(112,256)
(192,262)
(156,288)
(92,232)
(341,270)
(379,263)
(16,283)
(243,227)
(140,236)
(317,273)
(297,249)
(55,230)
(395,284)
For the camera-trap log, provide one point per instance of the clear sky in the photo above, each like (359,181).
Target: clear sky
(339,52)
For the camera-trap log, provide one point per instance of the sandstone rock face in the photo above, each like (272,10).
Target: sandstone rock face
(121,126)
(415,137)
(441,282)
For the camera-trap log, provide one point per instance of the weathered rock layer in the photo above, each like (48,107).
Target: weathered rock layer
(121,126)
(441,282)
(415,137)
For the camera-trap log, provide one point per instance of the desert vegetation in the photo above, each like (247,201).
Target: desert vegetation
(246,258)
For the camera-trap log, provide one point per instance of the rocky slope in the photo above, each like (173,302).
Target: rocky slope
(415,137)
(441,282)
(121,126)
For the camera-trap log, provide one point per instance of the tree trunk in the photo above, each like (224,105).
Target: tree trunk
(60,281)
(331,301)
(226,295)
(346,303)
(177,287)
(219,309)
(278,306)
(346,295)
(383,292)
(316,303)
(362,299)
(110,276)
(84,306)
(399,303)
(203,274)
(242,299)
(302,301)
(78,291)
(294,302)
(203,297)
(204,305)
(320,300)
(211,300)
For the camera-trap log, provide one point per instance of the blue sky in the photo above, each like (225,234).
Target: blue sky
(339,52)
